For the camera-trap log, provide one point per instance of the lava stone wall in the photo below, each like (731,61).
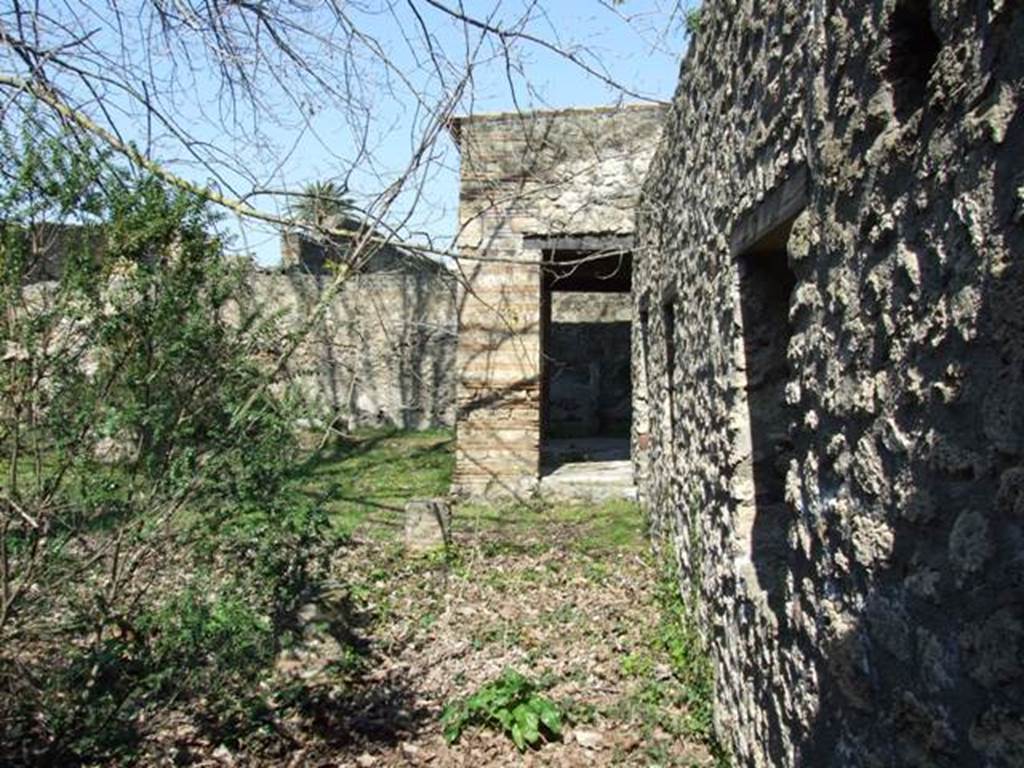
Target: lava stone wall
(877,619)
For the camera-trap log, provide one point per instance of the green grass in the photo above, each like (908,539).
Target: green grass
(680,702)
(595,528)
(365,480)
(614,525)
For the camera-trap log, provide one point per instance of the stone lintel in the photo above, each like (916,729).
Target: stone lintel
(579,242)
(782,203)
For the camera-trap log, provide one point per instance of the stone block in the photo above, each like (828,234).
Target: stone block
(427,524)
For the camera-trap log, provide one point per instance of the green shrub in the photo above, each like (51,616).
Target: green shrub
(210,647)
(153,545)
(510,704)
(693,20)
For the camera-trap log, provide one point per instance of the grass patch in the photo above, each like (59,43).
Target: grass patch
(680,640)
(673,690)
(583,527)
(364,480)
(615,525)
(550,568)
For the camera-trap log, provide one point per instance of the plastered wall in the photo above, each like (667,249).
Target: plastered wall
(383,353)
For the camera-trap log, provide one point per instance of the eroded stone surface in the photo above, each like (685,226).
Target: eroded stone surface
(427,524)
(888,630)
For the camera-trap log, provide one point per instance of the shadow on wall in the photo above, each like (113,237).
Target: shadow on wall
(486,337)
(383,352)
(589,390)
(765,287)
(930,669)
(919,640)
(533,185)
(888,629)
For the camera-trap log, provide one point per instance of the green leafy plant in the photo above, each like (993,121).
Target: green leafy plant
(693,20)
(679,637)
(154,542)
(511,704)
(637,664)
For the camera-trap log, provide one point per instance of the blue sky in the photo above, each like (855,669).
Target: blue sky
(641,48)
(300,131)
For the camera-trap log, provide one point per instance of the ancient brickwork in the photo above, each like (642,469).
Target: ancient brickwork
(384,352)
(526,177)
(830,339)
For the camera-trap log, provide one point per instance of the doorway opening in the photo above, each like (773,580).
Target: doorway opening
(765,289)
(586,388)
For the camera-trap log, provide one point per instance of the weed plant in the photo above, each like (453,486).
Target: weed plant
(511,704)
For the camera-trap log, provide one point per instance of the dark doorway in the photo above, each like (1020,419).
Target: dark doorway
(913,50)
(586,408)
(765,289)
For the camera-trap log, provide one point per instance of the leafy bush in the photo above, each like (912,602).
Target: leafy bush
(210,649)
(512,704)
(693,19)
(214,647)
(153,545)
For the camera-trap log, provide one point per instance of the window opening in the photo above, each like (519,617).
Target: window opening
(913,49)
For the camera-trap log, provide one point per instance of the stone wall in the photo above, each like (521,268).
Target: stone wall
(589,364)
(301,253)
(830,338)
(384,352)
(526,179)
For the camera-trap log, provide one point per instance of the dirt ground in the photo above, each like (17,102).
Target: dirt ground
(565,596)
